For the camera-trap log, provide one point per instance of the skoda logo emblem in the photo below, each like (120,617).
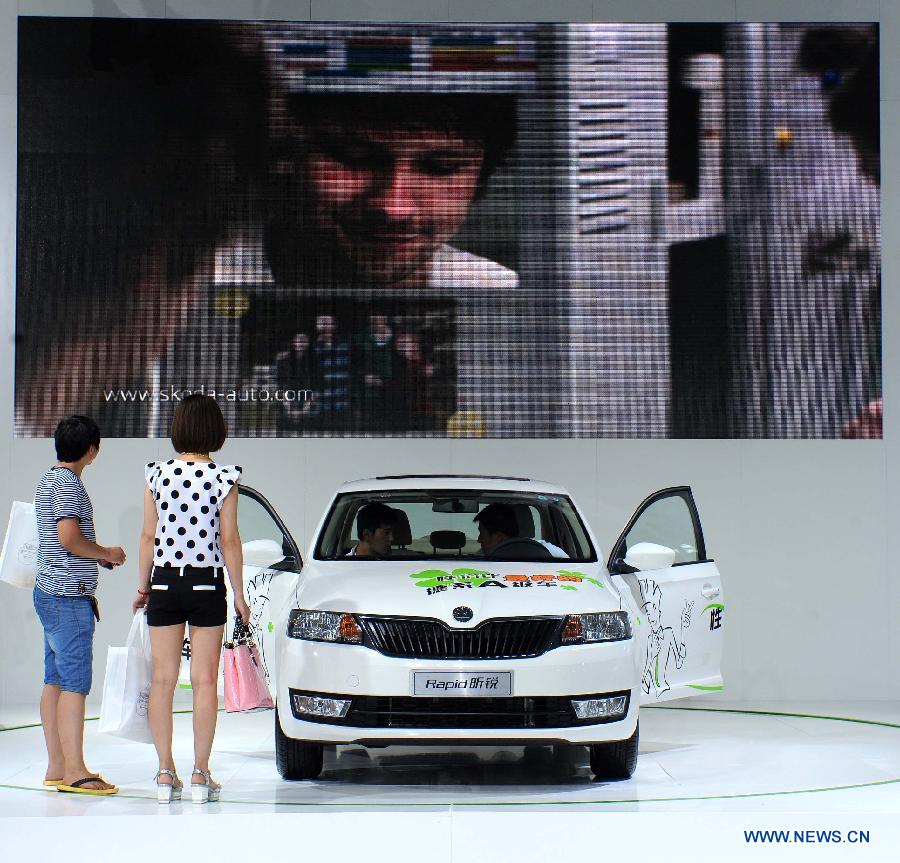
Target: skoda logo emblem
(462,613)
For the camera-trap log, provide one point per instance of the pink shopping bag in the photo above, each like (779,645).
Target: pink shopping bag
(245,679)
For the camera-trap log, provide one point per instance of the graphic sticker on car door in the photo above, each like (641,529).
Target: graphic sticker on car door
(663,645)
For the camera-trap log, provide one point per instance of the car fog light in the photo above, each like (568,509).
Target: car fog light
(313,705)
(599,708)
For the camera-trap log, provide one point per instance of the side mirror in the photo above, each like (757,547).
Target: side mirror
(649,555)
(262,552)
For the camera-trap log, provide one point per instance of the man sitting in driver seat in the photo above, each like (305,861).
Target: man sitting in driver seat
(497,524)
(375,529)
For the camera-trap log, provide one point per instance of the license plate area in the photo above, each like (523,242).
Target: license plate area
(462,684)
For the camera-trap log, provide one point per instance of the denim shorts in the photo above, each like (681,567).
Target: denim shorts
(68,640)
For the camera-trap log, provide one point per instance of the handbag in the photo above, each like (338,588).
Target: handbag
(126,686)
(245,679)
(18,560)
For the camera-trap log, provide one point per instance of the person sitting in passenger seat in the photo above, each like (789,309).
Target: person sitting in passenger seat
(497,523)
(375,530)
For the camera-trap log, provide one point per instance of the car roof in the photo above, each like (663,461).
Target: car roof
(475,482)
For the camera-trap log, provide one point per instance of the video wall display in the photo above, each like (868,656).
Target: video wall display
(446,230)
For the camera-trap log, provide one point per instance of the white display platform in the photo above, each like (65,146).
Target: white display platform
(704,776)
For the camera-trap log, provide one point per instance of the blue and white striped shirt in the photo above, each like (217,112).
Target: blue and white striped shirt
(61,494)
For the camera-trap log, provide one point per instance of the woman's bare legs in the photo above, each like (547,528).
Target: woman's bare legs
(206,651)
(165,644)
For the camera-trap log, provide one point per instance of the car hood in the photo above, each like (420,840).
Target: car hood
(436,588)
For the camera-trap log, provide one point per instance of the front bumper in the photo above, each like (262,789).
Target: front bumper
(382,685)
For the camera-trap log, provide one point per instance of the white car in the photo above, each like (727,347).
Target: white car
(536,642)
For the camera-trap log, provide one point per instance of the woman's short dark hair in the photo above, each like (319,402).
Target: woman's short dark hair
(198,425)
(74,436)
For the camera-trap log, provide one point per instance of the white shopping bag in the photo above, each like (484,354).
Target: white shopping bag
(126,687)
(18,560)
(184,669)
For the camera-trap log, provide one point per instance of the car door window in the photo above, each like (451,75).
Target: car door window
(669,520)
(271,572)
(264,538)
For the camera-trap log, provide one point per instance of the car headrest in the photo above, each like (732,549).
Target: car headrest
(454,539)
(402,530)
(524,519)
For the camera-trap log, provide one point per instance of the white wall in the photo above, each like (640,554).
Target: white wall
(800,529)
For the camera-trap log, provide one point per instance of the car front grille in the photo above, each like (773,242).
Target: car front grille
(426,638)
(380,711)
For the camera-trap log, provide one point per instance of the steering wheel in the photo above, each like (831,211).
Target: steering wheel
(520,545)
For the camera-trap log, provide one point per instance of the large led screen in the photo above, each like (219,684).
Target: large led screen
(504,230)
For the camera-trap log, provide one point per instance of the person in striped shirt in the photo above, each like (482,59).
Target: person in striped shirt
(64,599)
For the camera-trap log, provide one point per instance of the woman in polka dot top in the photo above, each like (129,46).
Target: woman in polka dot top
(189,540)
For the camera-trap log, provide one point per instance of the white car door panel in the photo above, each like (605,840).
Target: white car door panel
(272,566)
(680,608)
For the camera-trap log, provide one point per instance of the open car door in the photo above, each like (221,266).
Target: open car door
(661,558)
(272,566)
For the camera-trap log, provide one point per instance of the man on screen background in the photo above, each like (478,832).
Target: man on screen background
(367,192)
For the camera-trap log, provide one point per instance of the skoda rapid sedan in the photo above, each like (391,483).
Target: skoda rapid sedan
(446,638)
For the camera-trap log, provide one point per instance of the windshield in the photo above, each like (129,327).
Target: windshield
(471,525)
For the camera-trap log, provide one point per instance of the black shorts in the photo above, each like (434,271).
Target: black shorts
(190,594)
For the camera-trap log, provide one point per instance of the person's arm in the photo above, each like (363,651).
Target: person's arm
(75,542)
(230,539)
(145,555)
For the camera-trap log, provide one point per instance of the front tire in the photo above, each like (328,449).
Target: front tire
(296,759)
(615,759)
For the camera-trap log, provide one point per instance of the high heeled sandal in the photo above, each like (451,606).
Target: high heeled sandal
(206,791)
(167,792)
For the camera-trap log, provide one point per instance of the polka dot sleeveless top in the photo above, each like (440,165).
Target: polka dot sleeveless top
(188,497)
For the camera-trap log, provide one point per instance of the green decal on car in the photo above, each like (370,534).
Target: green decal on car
(439,580)
(580,576)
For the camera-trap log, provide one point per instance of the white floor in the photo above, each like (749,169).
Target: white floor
(737,761)
(690,759)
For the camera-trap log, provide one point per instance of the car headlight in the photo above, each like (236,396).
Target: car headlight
(598,626)
(324,626)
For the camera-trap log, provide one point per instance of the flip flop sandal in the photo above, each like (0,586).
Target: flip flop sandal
(55,783)
(78,787)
